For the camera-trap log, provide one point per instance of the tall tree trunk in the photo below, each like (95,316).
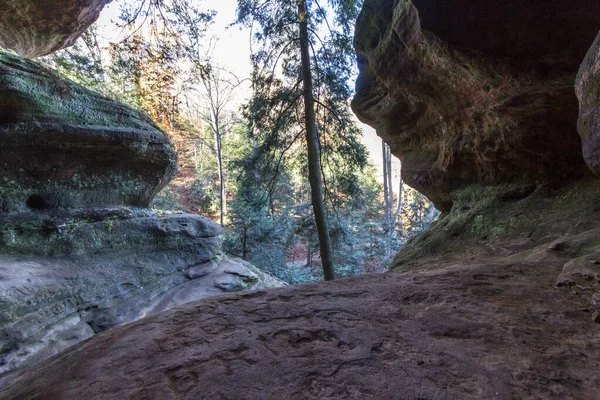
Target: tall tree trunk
(398,214)
(391,197)
(222,199)
(244,242)
(386,199)
(314,156)
(222,195)
(195,158)
(390,180)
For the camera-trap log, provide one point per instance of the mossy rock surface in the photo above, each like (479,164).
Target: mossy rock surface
(64,278)
(64,146)
(503,220)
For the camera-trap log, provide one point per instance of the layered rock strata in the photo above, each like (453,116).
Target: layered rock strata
(35,28)
(66,147)
(461,331)
(475,92)
(588,92)
(80,252)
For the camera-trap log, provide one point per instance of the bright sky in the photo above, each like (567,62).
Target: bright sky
(232,51)
(232,48)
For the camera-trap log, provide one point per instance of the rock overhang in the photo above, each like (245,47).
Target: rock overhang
(475,92)
(66,147)
(39,27)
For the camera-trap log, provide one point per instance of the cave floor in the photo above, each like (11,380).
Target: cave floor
(497,328)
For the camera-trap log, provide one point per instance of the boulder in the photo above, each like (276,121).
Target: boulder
(66,147)
(588,92)
(80,252)
(474,91)
(35,28)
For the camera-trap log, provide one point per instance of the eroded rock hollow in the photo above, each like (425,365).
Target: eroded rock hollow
(475,92)
(500,298)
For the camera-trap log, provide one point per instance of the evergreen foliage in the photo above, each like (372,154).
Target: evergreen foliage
(252,161)
(301,91)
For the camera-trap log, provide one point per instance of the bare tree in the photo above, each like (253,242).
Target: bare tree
(390,216)
(218,90)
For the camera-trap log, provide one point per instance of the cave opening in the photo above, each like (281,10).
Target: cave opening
(36,202)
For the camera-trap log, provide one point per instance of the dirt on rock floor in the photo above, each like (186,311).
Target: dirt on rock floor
(496,329)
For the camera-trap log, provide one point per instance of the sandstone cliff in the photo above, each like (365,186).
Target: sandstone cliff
(499,299)
(475,92)
(79,250)
(35,28)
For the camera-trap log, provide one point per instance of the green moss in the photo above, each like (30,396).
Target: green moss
(217,257)
(77,191)
(485,217)
(55,99)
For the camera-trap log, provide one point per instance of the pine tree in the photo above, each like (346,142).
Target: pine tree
(301,75)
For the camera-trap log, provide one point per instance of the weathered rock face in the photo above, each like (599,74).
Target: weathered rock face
(472,91)
(66,147)
(462,331)
(50,304)
(498,299)
(588,92)
(35,28)
(79,253)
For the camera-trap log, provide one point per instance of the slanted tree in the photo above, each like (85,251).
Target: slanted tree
(315,174)
(302,69)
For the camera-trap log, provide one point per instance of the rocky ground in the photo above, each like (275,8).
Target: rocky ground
(498,299)
(469,316)
(499,329)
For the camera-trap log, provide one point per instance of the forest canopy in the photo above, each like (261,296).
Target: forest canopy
(244,142)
